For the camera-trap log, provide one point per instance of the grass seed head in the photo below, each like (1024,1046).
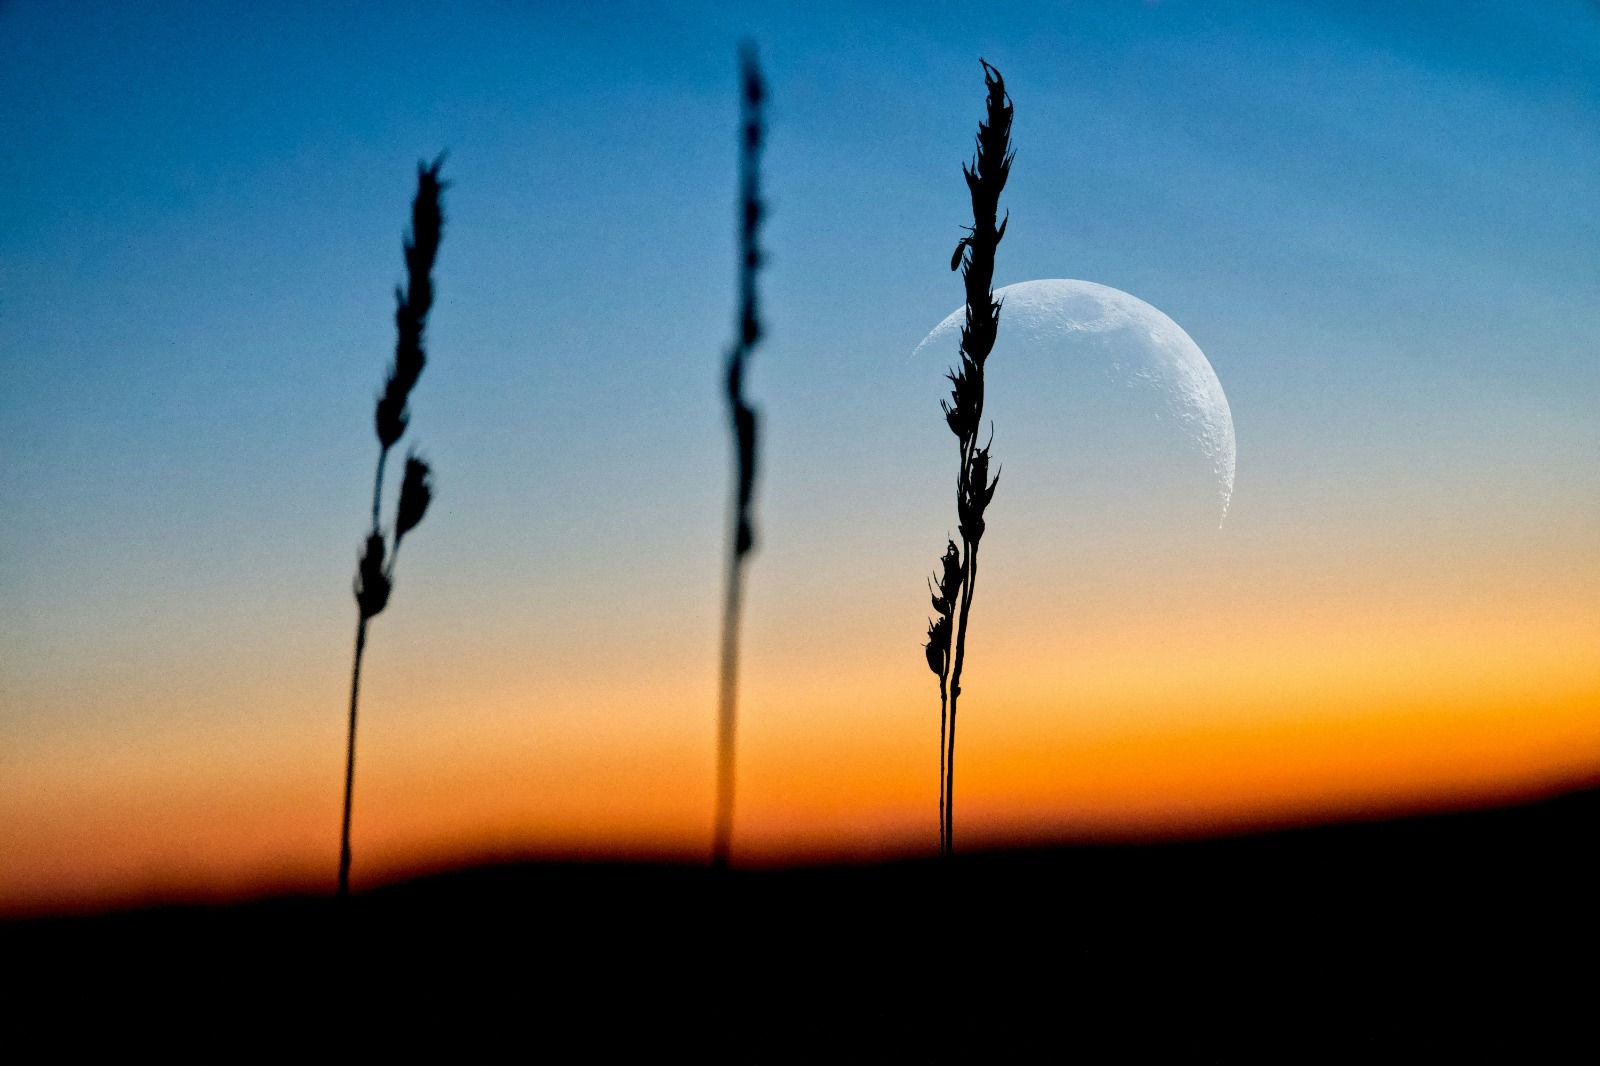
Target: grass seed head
(752,211)
(950,583)
(963,409)
(412,303)
(391,416)
(372,581)
(427,229)
(416,492)
(976,493)
(937,649)
(948,586)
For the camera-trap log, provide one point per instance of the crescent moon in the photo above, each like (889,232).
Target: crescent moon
(1156,355)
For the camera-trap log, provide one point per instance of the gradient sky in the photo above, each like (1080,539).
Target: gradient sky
(1380,222)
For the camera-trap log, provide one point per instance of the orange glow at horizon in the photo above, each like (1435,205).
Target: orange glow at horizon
(1311,719)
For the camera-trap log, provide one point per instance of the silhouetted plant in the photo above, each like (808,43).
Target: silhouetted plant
(963,412)
(742,419)
(375,575)
(946,594)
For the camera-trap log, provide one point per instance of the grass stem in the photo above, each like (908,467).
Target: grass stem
(350,761)
(742,422)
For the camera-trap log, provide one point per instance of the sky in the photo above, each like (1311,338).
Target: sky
(1380,223)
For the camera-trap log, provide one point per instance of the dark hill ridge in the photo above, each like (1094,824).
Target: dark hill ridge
(1386,912)
(1542,847)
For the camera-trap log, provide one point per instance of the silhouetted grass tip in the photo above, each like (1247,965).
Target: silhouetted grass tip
(412,303)
(751,257)
(963,413)
(374,581)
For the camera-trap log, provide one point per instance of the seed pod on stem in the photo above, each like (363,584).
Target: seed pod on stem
(372,579)
(416,492)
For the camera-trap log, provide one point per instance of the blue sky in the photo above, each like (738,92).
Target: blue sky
(1380,223)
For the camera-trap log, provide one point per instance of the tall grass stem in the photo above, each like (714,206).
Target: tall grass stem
(375,572)
(743,424)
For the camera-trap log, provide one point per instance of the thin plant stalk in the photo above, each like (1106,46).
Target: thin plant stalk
(350,759)
(375,576)
(944,595)
(974,255)
(944,710)
(955,691)
(727,710)
(742,421)
(355,692)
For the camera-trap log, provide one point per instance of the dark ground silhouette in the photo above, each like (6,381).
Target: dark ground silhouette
(1435,924)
